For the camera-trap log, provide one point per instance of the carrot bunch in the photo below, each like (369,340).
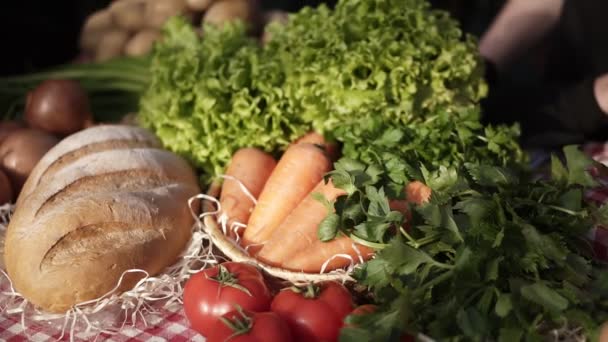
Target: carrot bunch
(282,223)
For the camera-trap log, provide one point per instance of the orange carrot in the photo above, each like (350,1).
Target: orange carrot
(251,167)
(331,148)
(299,170)
(311,259)
(299,230)
(415,193)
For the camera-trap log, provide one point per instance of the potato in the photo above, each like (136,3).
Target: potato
(112,45)
(98,21)
(58,106)
(227,10)
(6,189)
(159,11)
(93,29)
(21,151)
(274,16)
(129,15)
(8,127)
(142,42)
(198,5)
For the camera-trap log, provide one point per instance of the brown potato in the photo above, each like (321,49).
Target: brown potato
(111,45)
(227,10)
(129,15)
(159,11)
(6,189)
(198,5)
(142,42)
(21,151)
(274,16)
(59,107)
(8,127)
(93,29)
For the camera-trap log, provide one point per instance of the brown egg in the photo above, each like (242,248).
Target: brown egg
(58,106)
(8,127)
(21,151)
(6,189)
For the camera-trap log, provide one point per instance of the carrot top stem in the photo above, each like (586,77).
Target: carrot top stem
(226,278)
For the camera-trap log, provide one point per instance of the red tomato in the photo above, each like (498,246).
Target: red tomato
(314,313)
(246,326)
(362,310)
(371,308)
(216,291)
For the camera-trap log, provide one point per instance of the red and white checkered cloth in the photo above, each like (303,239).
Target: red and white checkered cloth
(173,326)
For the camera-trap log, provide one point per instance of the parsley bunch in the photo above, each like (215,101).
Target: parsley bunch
(496,254)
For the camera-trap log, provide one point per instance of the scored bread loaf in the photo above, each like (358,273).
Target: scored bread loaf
(102,201)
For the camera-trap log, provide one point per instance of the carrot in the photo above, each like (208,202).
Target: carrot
(251,167)
(330,147)
(299,230)
(299,170)
(311,259)
(415,193)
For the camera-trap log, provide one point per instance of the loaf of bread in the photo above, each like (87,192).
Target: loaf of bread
(102,201)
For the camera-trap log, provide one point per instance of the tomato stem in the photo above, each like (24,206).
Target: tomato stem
(239,325)
(226,278)
(310,291)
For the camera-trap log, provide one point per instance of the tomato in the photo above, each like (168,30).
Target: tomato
(216,291)
(314,313)
(247,326)
(364,309)
(371,308)
(361,310)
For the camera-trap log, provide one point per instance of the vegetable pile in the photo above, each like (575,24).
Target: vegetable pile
(346,73)
(359,126)
(494,254)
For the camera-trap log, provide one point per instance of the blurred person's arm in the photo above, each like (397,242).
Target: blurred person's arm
(600,90)
(520,25)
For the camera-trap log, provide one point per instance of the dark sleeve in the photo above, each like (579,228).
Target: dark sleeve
(569,115)
(576,109)
(549,115)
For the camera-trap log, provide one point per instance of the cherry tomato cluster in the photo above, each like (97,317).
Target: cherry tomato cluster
(232,302)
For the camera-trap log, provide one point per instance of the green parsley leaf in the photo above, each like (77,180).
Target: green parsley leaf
(543,295)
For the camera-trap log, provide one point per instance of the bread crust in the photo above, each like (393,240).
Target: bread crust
(101,213)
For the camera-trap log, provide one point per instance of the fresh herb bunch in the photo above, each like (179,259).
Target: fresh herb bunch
(365,66)
(494,255)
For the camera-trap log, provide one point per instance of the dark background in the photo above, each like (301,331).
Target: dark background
(39,34)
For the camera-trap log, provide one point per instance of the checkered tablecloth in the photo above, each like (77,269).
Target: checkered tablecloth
(170,325)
